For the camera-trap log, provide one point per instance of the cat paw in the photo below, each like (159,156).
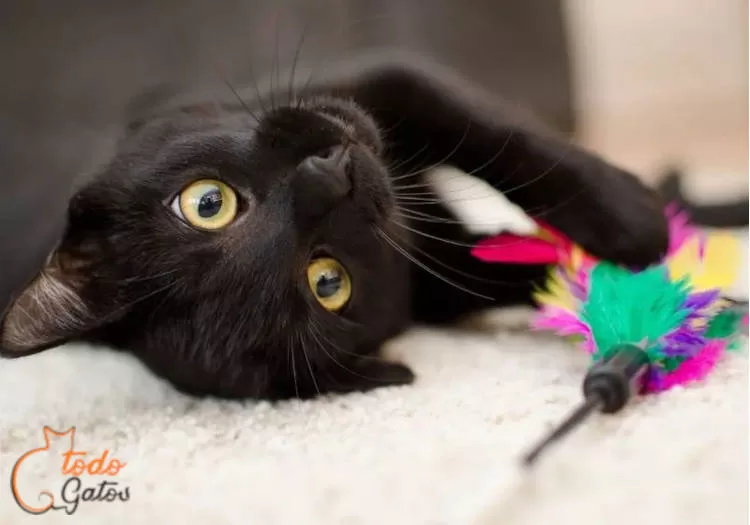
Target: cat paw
(369,374)
(618,219)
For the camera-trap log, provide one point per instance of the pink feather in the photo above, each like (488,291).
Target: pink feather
(515,249)
(680,229)
(552,247)
(563,323)
(693,369)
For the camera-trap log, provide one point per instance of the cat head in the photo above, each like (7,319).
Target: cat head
(232,252)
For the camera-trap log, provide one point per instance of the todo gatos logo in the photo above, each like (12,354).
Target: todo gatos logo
(71,477)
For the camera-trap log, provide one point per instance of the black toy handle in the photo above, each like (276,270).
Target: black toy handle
(608,386)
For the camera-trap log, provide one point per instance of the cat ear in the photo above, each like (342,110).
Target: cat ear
(48,311)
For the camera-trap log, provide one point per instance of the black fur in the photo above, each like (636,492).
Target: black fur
(229,313)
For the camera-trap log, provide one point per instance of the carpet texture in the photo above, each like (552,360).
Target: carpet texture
(443,451)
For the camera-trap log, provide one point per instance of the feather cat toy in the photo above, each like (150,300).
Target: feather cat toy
(646,331)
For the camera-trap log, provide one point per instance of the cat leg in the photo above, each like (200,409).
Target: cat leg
(342,376)
(367,374)
(434,117)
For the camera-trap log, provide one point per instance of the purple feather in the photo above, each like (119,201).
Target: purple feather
(655,379)
(688,339)
(701,300)
(683,342)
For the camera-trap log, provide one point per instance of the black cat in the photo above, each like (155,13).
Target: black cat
(267,249)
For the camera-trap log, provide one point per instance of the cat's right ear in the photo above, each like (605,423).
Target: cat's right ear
(48,310)
(53,306)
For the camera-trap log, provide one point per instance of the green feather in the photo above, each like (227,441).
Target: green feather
(637,308)
(724,324)
(670,364)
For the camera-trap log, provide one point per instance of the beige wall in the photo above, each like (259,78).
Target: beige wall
(661,80)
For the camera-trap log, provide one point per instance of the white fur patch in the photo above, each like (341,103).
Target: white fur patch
(481,208)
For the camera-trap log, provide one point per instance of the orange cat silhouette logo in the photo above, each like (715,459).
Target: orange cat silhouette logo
(69,469)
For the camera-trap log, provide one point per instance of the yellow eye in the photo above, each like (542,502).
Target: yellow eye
(206,204)
(330,283)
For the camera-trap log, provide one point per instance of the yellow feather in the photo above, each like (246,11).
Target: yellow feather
(718,268)
(576,258)
(557,294)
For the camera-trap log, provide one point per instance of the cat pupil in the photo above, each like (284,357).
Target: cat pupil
(328,284)
(210,204)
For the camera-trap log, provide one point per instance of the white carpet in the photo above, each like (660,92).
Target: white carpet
(443,451)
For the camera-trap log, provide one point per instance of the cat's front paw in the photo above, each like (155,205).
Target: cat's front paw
(616,218)
(371,373)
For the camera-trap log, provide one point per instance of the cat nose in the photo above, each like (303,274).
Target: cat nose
(331,162)
(322,181)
